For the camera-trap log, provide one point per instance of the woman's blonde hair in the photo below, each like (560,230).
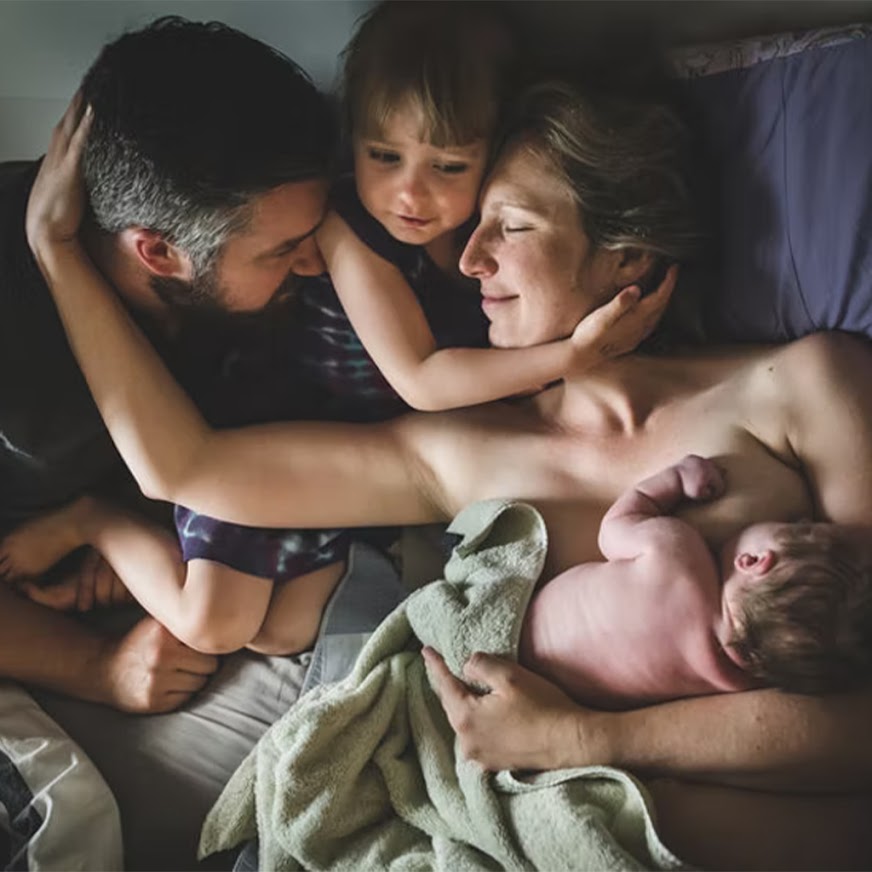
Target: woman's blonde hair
(449,62)
(624,161)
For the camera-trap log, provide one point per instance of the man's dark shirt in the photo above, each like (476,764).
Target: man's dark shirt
(53,444)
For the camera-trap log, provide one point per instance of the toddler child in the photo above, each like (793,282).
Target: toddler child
(784,604)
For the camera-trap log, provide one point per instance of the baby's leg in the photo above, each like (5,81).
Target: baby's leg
(36,545)
(295,610)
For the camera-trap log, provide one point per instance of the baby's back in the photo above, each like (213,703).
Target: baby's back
(629,632)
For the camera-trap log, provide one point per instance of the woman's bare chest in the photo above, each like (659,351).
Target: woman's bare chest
(573,478)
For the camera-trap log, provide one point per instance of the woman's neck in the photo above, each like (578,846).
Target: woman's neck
(616,397)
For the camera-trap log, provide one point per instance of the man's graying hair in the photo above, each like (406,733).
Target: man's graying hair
(191,121)
(624,162)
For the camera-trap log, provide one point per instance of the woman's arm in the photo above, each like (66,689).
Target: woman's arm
(393,328)
(275,475)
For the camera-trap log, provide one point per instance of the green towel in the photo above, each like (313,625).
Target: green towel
(365,773)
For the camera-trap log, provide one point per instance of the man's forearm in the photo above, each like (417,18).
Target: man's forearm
(758,739)
(49,649)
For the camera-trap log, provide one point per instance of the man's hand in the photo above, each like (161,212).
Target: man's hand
(148,671)
(525,722)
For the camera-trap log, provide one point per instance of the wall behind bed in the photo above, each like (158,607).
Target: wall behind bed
(46,45)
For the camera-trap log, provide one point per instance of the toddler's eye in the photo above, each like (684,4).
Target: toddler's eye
(452,169)
(383,156)
(516,228)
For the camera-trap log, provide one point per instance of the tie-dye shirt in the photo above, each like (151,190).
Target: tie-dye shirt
(319,370)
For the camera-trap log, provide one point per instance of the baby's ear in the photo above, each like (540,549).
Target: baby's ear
(756,565)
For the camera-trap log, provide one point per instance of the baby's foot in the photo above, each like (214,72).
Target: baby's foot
(701,478)
(37,545)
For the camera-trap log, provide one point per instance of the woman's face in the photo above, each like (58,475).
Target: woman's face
(539,273)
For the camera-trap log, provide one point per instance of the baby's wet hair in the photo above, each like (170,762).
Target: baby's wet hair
(807,628)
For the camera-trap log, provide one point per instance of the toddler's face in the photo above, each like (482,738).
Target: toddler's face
(417,191)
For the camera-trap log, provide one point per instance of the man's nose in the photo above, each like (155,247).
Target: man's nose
(308,260)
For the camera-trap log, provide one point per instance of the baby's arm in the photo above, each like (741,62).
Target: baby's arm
(623,530)
(391,324)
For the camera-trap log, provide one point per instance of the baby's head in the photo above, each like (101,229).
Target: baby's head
(423,89)
(799,597)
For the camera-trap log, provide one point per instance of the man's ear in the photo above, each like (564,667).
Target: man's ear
(159,257)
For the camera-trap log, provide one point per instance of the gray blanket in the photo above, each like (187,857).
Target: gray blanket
(365,774)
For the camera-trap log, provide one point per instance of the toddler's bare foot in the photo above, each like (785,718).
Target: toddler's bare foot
(93,585)
(37,545)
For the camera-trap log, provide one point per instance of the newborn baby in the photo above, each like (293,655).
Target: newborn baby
(784,604)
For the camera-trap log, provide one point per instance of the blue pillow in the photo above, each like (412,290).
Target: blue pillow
(792,139)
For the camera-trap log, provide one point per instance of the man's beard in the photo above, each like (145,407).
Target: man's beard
(202,301)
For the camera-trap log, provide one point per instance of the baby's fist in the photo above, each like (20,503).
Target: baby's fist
(701,478)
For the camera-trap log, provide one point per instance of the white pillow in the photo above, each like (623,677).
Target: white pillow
(56,812)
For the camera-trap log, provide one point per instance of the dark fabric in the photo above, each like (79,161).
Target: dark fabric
(19,820)
(52,441)
(331,355)
(334,379)
(792,138)
(267,553)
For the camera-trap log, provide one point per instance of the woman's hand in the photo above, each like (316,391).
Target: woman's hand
(525,722)
(621,324)
(57,200)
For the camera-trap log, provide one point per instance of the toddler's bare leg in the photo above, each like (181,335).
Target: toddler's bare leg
(93,584)
(294,614)
(37,545)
